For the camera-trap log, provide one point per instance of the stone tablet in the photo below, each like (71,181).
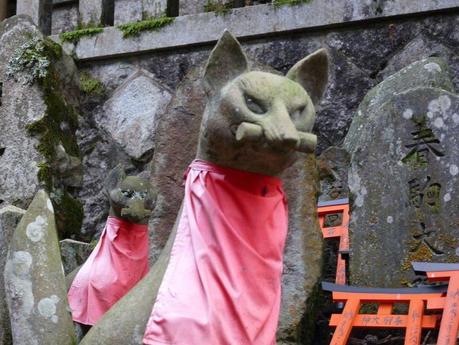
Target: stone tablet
(404,176)
(34,280)
(130,114)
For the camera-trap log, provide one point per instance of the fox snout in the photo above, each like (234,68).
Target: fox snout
(299,141)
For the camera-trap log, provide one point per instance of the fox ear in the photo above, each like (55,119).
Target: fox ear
(312,74)
(226,62)
(114,177)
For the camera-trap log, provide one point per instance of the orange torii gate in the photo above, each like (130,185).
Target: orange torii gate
(450,303)
(340,206)
(413,323)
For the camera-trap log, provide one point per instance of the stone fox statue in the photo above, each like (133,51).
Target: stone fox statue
(218,279)
(120,258)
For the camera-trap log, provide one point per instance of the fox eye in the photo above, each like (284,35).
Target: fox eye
(296,115)
(254,105)
(127,193)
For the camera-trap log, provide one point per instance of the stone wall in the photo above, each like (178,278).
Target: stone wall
(367,41)
(362,55)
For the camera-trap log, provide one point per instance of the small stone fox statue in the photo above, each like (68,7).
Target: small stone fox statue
(120,258)
(217,281)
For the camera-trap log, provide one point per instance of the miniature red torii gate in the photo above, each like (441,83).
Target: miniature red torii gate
(340,206)
(353,297)
(438,272)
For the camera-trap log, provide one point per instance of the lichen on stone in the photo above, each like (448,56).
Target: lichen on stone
(75,36)
(135,29)
(35,62)
(34,57)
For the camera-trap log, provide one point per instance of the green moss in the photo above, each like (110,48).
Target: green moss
(135,29)
(69,213)
(91,86)
(75,36)
(220,8)
(278,3)
(35,61)
(423,253)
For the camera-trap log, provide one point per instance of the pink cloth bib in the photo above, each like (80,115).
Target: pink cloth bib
(223,282)
(118,262)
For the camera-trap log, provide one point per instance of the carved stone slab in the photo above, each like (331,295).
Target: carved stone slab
(404,177)
(130,114)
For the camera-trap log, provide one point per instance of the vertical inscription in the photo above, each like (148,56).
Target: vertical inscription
(423,192)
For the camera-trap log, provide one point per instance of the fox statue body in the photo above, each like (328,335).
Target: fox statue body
(254,126)
(120,258)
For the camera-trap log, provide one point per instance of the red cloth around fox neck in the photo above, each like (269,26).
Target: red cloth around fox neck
(118,262)
(222,285)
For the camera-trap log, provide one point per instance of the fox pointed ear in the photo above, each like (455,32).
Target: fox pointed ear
(114,177)
(226,62)
(312,74)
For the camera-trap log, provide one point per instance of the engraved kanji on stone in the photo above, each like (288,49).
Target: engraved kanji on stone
(423,143)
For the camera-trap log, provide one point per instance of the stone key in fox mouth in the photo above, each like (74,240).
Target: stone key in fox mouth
(249,131)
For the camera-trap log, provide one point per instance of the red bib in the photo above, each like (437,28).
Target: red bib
(223,282)
(118,262)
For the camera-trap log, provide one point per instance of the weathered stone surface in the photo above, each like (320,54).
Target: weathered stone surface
(38,136)
(403,175)
(130,114)
(191,7)
(153,8)
(19,159)
(347,87)
(127,11)
(91,12)
(64,18)
(420,48)
(74,253)
(40,12)
(34,280)
(256,21)
(333,166)
(9,219)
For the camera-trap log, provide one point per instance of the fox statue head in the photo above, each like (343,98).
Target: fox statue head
(132,198)
(258,121)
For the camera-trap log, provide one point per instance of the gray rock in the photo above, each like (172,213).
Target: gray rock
(39,11)
(34,280)
(92,12)
(403,175)
(348,85)
(127,11)
(9,219)
(191,7)
(74,254)
(420,48)
(64,18)
(130,114)
(38,142)
(153,8)
(333,166)
(20,158)
(434,75)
